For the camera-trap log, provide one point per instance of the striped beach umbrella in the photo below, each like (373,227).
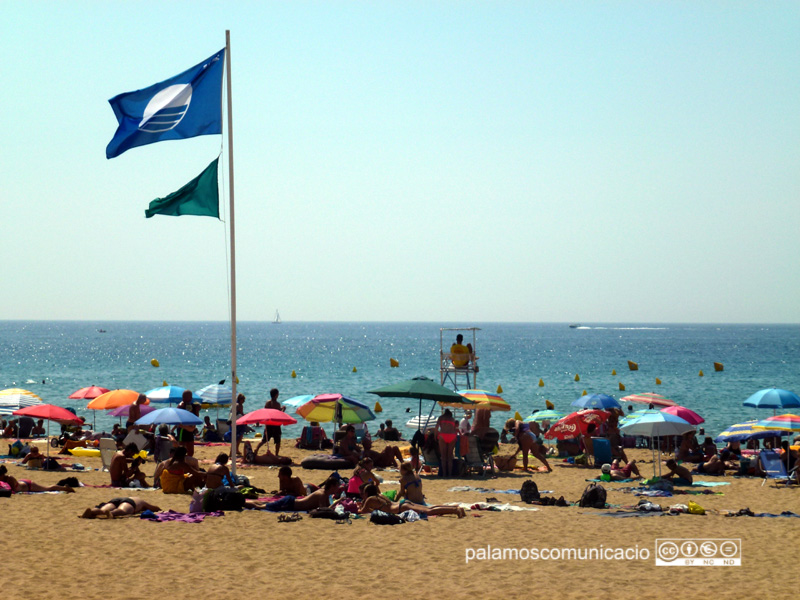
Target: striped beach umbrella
(12,399)
(786,422)
(484,400)
(684,413)
(649,398)
(216,394)
(170,394)
(544,415)
(335,407)
(742,432)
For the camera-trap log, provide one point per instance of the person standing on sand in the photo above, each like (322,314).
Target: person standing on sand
(528,441)
(135,412)
(273,431)
(446,434)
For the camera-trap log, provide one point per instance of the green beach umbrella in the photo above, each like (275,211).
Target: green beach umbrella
(421,388)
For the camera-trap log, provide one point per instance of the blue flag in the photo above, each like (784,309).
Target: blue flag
(184,106)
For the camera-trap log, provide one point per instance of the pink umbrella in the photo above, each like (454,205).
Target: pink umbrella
(51,413)
(266,416)
(684,413)
(649,398)
(88,393)
(124,411)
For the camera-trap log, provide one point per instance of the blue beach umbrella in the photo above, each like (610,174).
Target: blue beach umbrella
(596,401)
(216,394)
(742,432)
(297,401)
(170,416)
(170,394)
(773,398)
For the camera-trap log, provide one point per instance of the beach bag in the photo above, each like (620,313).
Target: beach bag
(381,518)
(529,492)
(51,464)
(325,513)
(594,496)
(5,490)
(696,509)
(224,498)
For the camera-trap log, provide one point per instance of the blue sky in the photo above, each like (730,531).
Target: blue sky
(419,161)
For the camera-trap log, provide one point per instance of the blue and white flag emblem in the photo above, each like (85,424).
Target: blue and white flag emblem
(184,106)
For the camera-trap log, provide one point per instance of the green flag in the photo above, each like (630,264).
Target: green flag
(198,197)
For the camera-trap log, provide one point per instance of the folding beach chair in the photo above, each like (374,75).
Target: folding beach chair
(108,447)
(773,466)
(475,459)
(136,438)
(161,448)
(602,451)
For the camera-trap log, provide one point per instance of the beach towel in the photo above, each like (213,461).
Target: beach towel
(483,490)
(710,483)
(496,506)
(172,515)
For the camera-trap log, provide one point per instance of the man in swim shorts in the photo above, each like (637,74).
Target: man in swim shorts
(118,507)
(273,431)
(679,474)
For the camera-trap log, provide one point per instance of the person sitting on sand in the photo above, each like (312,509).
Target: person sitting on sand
(218,474)
(389,457)
(714,466)
(375,501)
(317,499)
(347,447)
(678,474)
(123,475)
(11,430)
(38,429)
(34,458)
(180,477)
(689,450)
(410,485)
(391,433)
(289,485)
(26,485)
(629,471)
(528,441)
(268,458)
(118,507)
(210,433)
(708,448)
(362,475)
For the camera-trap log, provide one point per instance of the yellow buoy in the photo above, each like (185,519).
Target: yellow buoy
(393,362)
(613,371)
(154,362)
(294,374)
(577,377)
(541,383)
(378,407)
(633,366)
(355,370)
(237,380)
(584,393)
(621,387)
(718,366)
(517,416)
(499,389)
(549,405)
(701,372)
(164,383)
(658,381)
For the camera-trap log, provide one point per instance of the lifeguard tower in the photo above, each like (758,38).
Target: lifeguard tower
(460,370)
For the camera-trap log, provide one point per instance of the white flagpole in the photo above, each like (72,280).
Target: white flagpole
(234,404)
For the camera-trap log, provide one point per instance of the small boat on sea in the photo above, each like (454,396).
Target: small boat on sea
(277,320)
(574,325)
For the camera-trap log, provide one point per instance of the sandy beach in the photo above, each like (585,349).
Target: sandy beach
(50,553)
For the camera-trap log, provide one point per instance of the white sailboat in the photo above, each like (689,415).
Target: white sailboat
(277,320)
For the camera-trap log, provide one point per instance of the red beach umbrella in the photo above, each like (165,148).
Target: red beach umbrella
(576,424)
(49,412)
(88,393)
(266,416)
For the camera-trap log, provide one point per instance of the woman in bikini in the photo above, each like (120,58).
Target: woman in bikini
(374,501)
(446,433)
(361,476)
(528,441)
(26,485)
(178,476)
(410,484)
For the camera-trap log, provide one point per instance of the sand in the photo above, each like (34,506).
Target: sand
(50,553)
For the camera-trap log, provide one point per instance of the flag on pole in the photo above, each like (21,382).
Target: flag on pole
(184,106)
(198,197)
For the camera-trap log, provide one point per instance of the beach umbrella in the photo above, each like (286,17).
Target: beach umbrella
(779,423)
(12,399)
(421,388)
(170,416)
(743,432)
(656,424)
(576,424)
(266,416)
(49,412)
(420,422)
(297,401)
(483,400)
(170,394)
(601,401)
(684,413)
(649,398)
(88,393)
(335,407)
(773,398)
(544,415)
(124,411)
(114,399)
(216,394)
(631,417)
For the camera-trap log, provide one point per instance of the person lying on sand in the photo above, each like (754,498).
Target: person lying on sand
(318,499)
(389,457)
(629,471)
(679,474)
(118,507)
(714,466)
(26,485)
(268,458)
(375,501)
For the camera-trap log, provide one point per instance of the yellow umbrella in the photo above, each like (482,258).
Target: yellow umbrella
(481,399)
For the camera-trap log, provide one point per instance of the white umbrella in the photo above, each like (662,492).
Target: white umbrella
(12,399)
(654,424)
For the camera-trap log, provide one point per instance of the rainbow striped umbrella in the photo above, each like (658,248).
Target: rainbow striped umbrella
(649,398)
(544,415)
(786,422)
(741,432)
(484,400)
(12,399)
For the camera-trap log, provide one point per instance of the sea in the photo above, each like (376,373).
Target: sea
(55,358)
